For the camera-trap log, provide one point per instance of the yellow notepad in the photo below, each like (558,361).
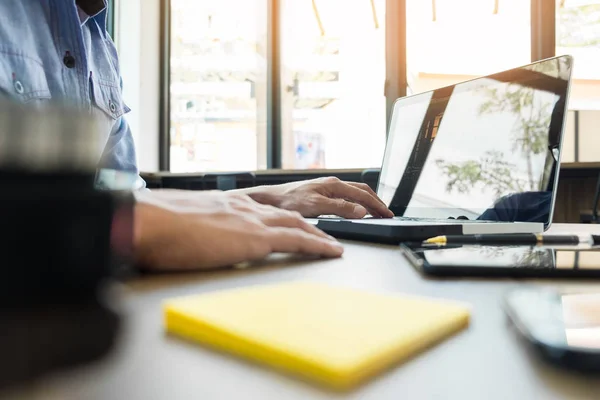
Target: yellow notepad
(335,336)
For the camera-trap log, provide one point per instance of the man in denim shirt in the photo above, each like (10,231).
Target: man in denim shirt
(59,50)
(53,50)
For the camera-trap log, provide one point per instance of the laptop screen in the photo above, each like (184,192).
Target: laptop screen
(485,149)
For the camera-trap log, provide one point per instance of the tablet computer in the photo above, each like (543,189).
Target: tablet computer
(505,261)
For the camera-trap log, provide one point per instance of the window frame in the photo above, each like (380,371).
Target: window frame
(543,45)
(110,18)
(164,119)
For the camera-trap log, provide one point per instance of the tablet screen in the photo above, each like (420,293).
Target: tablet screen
(530,257)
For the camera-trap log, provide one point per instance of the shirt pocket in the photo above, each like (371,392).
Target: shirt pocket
(107,96)
(22,77)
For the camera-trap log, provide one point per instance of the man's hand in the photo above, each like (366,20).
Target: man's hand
(184,230)
(323,196)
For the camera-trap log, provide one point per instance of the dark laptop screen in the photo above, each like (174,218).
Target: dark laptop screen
(484,149)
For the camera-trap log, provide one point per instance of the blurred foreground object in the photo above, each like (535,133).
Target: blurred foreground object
(62,242)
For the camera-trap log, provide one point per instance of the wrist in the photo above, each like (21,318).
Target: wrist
(151,224)
(266,195)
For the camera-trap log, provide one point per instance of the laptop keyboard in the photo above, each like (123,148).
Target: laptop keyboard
(448,220)
(415,219)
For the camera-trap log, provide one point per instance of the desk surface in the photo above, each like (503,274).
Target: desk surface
(485,361)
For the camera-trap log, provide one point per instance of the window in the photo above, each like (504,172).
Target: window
(301,84)
(332,80)
(449,41)
(333,76)
(578,34)
(218,85)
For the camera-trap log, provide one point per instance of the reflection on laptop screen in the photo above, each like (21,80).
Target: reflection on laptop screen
(485,149)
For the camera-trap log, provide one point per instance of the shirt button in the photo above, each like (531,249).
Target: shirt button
(69,60)
(112,106)
(19,87)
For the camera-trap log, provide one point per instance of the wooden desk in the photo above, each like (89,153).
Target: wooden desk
(486,361)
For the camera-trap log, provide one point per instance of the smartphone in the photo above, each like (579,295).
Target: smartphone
(563,327)
(504,261)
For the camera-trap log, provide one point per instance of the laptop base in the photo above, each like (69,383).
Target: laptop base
(390,232)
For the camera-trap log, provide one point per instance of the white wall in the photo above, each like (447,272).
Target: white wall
(137,33)
(589,136)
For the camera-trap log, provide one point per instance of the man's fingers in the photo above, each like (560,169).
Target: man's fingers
(366,188)
(363,197)
(341,207)
(292,240)
(286,219)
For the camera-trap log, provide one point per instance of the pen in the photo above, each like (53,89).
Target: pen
(513,238)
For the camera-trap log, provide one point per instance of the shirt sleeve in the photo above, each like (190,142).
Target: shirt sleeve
(118,160)
(111,179)
(119,152)
(119,155)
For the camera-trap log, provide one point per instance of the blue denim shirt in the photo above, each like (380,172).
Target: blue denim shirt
(50,50)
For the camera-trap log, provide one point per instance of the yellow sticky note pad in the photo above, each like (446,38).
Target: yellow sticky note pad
(335,336)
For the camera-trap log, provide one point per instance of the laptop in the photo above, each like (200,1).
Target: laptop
(481,156)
